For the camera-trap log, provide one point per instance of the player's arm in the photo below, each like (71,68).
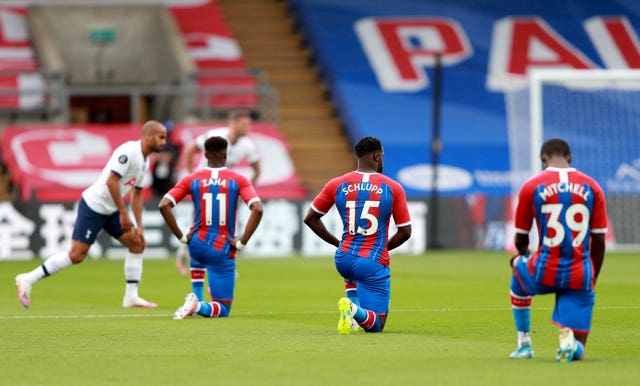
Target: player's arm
(136,206)
(523,220)
(256,172)
(189,151)
(252,225)
(165,207)
(402,218)
(598,230)
(114,190)
(597,251)
(521,242)
(313,220)
(171,199)
(402,235)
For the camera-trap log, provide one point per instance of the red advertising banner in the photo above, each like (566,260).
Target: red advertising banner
(54,163)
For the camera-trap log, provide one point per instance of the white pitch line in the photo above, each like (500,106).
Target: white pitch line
(104,316)
(392,311)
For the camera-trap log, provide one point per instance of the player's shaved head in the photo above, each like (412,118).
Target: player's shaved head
(154,137)
(151,127)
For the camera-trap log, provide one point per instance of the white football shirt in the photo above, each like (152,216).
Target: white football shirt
(244,148)
(130,164)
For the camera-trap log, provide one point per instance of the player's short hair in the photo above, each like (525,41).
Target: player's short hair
(367,145)
(215,143)
(556,146)
(240,113)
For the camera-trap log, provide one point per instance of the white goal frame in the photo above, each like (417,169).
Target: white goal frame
(538,77)
(622,79)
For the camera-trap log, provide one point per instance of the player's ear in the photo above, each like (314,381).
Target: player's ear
(544,158)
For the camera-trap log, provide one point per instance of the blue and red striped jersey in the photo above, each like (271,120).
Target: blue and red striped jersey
(366,202)
(215,193)
(568,207)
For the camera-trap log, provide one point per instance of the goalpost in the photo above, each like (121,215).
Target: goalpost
(598,113)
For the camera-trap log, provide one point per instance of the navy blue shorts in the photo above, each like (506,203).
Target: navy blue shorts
(89,224)
(373,280)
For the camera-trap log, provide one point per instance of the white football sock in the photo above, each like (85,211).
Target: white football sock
(524,338)
(132,273)
(53,264)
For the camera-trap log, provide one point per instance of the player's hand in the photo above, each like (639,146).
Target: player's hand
(187,236)
(139,236)
(125,222)
(513,258)
(236,243)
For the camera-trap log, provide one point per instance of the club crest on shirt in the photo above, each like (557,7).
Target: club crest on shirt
(123,159)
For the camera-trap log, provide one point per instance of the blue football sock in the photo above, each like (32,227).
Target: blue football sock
(197,287)
(360,315)
(214,309)
(206,309)
(352,294)
(522,317)
(368,320)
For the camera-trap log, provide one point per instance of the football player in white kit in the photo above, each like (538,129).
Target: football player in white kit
(240,147)
(102,207)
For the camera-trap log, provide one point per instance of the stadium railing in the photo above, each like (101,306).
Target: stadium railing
(206,94)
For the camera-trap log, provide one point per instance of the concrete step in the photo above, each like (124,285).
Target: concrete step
(310,112)
(269,66)
(295,77)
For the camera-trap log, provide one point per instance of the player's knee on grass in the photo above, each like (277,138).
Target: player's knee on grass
(225,310)
(215,309)
(373,322)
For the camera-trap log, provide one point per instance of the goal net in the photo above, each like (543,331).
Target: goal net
(598,113)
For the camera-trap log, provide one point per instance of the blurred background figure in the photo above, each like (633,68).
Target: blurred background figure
(165,162)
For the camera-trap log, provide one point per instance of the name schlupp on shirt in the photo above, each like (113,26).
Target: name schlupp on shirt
(360,186)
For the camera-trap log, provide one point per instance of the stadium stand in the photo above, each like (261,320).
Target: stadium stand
(378,58)
(20,82)
(223,81)
(217,56)
(269,37)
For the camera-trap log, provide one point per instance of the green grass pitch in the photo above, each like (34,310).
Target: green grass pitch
(450,324)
